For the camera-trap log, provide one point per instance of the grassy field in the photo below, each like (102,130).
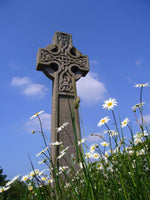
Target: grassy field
(118,168)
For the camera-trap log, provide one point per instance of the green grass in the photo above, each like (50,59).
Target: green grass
(116,169)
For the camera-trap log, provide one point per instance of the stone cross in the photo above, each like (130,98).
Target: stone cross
(64,65)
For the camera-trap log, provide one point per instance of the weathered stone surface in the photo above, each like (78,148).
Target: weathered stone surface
(64,65)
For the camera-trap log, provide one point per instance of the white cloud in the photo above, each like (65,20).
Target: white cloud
(90,89)
(28,88)
(147,119)
(34,125)
(35,89)
(94,138)
(17,81)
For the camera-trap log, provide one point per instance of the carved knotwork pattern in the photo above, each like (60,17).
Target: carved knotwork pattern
(46,56)
(61,58)
(60,53)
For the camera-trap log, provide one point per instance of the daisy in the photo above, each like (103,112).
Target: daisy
(113,133)
(104,120)
(121,142)
(99,166)
(13,180)
(1,189)
(42,161)
(96,156)
(36,114)
(24,178)
(81,141)
(30,187)
(43,178)
(142,85)
(63,168)
(33,173)
(61,155)
(42,152)
(88,155)
(42,172)
(62,127)
(105,144)
(137,141)
(50,180)
(64,150)
(92,147)
(67,185)
(109,104)
(36,171)
(138,105)
(73,159)
(124,123)
(56,143)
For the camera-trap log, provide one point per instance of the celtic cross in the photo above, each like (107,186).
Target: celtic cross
(64,65)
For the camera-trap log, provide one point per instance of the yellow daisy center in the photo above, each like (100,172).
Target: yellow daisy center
(103,121)
(109,104)
(93,148)
(36,114)
(105,144)
(30,188)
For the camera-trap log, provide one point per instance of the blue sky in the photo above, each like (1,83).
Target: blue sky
(115,36)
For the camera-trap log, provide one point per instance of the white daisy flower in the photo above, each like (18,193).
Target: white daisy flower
(24,178)
(104,120)
(138,105)
(50,181)
(73,158)
(93,147)
(142,85)
(124,123)
(34,173)
(1,189)
(64,150)
(63,168)
(33,116)
(105,144)
(113,133)
(99,166)
(62,127)
(61,155)
(6,188)
(30,187)
(43,178)
(42,161)
(96,156)
(109,104)
(67,185)
(81,141)
(137,141)
(88,155)
(42,172)
(56,143)
(42,152)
